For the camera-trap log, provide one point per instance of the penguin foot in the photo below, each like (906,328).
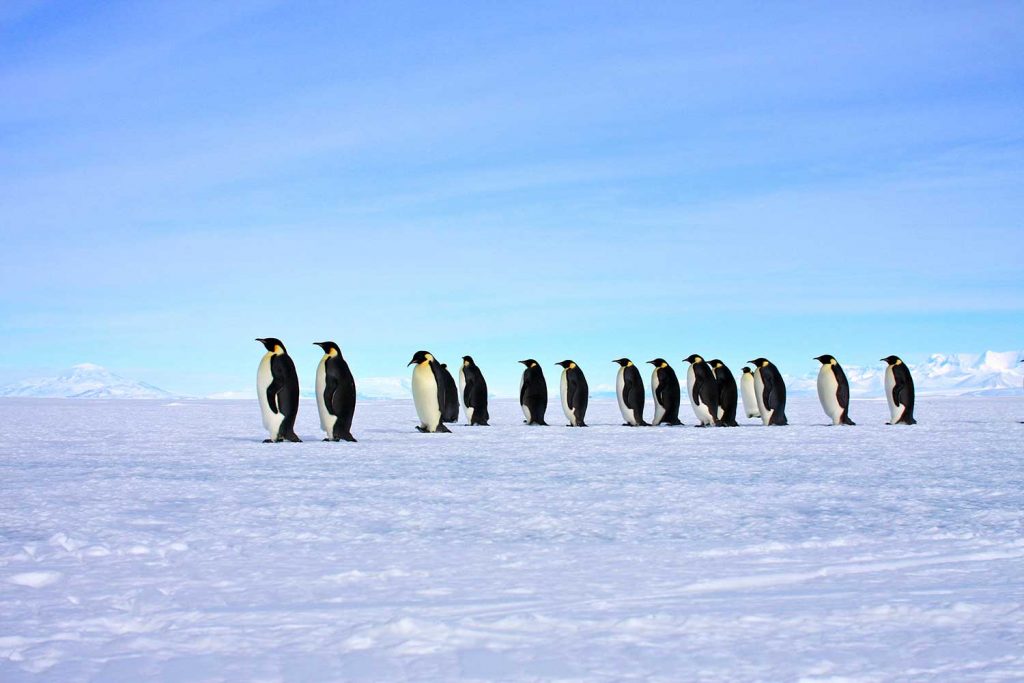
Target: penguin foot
(325,439)
(268,441)
(421,429)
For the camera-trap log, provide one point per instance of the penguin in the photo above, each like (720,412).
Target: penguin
(575,393)
(335,393)
(899,391)
(770,390)
(629,389)
(428,392)
(474,392)
(277,387)
(702,389)
(665,388)
(834,390)
(749,394)
(450,411)
(533,393)
(727,397)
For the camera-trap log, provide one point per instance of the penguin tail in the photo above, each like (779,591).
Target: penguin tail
(347,436)
(846,420)
(291,436)
(442,428)
(909,421)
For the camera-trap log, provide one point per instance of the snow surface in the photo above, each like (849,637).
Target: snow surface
(145,540)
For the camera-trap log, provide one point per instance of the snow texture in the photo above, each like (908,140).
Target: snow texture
(146,540)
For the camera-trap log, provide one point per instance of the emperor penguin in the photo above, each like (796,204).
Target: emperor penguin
(702,389)
(450,411)
(533,393)
(629,389)
(834,390)
(749,394)
(770,390)
(665,388)
(474,392)
(727,394)
(335,393)
(575,393)
(899,391)
(428,392)
(277,386)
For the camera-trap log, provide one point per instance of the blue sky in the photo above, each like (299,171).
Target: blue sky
(547,179)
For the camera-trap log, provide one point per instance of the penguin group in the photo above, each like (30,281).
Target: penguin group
(711,388)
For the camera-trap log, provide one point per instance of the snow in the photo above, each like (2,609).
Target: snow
(147,540)
(85,380)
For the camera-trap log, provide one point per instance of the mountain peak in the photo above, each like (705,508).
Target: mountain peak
(84,380)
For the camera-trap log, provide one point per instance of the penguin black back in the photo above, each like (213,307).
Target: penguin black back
(705,386)
(902,392)
(728,394)
(774,394)
(450,409)
(631,393)
(281,392)
(576,393)
(533,393)
(339,391)
(666,392)
(474,394)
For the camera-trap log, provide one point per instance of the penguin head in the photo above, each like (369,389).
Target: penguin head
(624,362)
(658,363)
(746,370)
(892,360)
(329,347)
(567,364)
(467,361)
(273,345)
(715,364)
(826,359)
(529,362)
(760,362)
(421,357)
(693,359)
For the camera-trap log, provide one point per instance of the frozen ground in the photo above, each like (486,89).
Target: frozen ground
(147,540)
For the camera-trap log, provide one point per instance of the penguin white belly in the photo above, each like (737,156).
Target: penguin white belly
(620,384)
(749,397)
(895,411)
(659,410)
(326,419)
(264,377)
(565,401)
(526,409)
(827,389)
(462,394)
(699,409)
(766,416)
(424,395)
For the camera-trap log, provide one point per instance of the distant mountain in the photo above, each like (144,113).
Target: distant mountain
(84,381)
(993,373)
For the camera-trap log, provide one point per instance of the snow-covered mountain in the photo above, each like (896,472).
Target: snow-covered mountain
(85,380)
(993,373)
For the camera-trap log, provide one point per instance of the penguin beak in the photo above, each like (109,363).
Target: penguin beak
(260,340)
(410,362)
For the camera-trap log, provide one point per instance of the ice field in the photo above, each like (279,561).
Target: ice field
(156,540)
